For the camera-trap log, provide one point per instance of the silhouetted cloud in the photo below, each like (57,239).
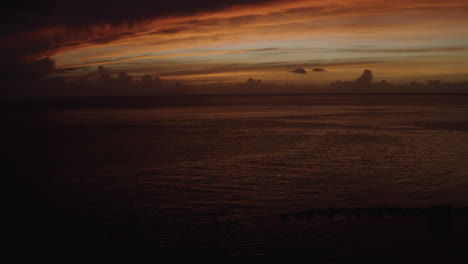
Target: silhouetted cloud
(26,77)
(263,49)
(406,50)
(299,71)
(104,74)
(169,30)
(146,78)
(318,70)
(366,77)
(28,70)
(270,66)
(108,84)
(65,70)
(362,82)
(28,15)
(252,83)
(124,77)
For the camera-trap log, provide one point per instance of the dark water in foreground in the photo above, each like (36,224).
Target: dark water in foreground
(216,175)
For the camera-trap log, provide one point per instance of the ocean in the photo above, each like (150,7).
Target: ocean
(330,177)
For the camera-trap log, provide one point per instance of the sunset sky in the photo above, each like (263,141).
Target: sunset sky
(230,41)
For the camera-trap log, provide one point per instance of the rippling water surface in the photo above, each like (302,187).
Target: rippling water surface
(213,174)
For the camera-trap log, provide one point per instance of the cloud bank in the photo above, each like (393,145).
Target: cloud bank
(231,41)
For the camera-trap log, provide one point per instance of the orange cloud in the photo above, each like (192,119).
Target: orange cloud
(228,36)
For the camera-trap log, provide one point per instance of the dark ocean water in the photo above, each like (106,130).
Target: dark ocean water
(237,176)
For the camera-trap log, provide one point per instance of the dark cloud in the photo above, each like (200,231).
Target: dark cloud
(124,77)
(28,70)
(366,77)
(65,70)
(27,77)
(28,15)
(21,21)
(123,84)
(270,66)
(39,67)
(415,50)
(104,74)
(263,50)
(299,71)
(107,39)
(252,83)
(318,70)
(167,31)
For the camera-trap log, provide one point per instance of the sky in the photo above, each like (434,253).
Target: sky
(203,41)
